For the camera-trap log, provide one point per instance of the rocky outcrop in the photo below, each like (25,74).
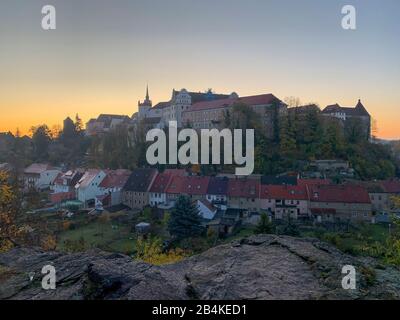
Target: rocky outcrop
(259,267)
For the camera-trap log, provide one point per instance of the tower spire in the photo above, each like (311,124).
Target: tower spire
(147,93)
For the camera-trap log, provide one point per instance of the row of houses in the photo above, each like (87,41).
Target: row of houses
(92,187)
(282,197)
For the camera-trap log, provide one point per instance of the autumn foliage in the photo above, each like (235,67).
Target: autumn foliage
(9,232)
(150,251)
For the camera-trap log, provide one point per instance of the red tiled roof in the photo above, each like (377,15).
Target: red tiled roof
(161,182)
(243,188)
(176,172)
(176,185)
(37,168)
(313,182)
(391,186)
(339,193)
(188,185)
(214,104)
(286,192)
(262,99)
(195,185)
(115,179)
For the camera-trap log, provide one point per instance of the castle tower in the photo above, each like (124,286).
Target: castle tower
(145,106)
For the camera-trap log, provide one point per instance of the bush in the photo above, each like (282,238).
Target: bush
(150,251)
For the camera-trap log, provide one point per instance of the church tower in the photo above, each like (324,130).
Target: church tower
(145,106)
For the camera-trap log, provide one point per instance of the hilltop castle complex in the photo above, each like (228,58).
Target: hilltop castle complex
(207,110)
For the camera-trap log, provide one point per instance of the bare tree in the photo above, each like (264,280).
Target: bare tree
(292,101)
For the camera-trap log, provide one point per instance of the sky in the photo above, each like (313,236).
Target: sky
(104,53)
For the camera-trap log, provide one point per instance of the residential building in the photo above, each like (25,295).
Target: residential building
(63,187)
(194,187)
(40,176)
(206,209)
(135,193)
(381,193)
(340,203)
(112,186)
(104,123)
(88,187)
(158,189)
(285,201)
(217,192)
(243,193)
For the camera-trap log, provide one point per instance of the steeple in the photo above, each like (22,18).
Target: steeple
(147,93)
(147,102)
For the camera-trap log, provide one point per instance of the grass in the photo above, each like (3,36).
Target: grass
(353,242)
(108,236)
(243,232)
(125,246)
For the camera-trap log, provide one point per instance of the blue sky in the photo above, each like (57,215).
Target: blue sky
(104,52)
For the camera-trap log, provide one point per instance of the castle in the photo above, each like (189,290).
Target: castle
(207,110)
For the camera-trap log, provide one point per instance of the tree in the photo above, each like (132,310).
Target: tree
(78,124)
(354,130)
(264,226)
(41,138)
(292,101)
(291,229)
(243,117)
(332,141)
(115,150)
(185,221)
(287,137)
(10,232)
(55,132)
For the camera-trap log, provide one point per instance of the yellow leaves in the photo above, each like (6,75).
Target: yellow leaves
(395,201)
(6,194)
(150,251)
(49,243)
(66,225)
(5,245)
(8,229)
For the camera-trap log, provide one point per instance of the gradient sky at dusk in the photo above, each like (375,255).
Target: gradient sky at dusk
(104,52)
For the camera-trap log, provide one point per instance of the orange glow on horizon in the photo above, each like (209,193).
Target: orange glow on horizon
(23,117)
